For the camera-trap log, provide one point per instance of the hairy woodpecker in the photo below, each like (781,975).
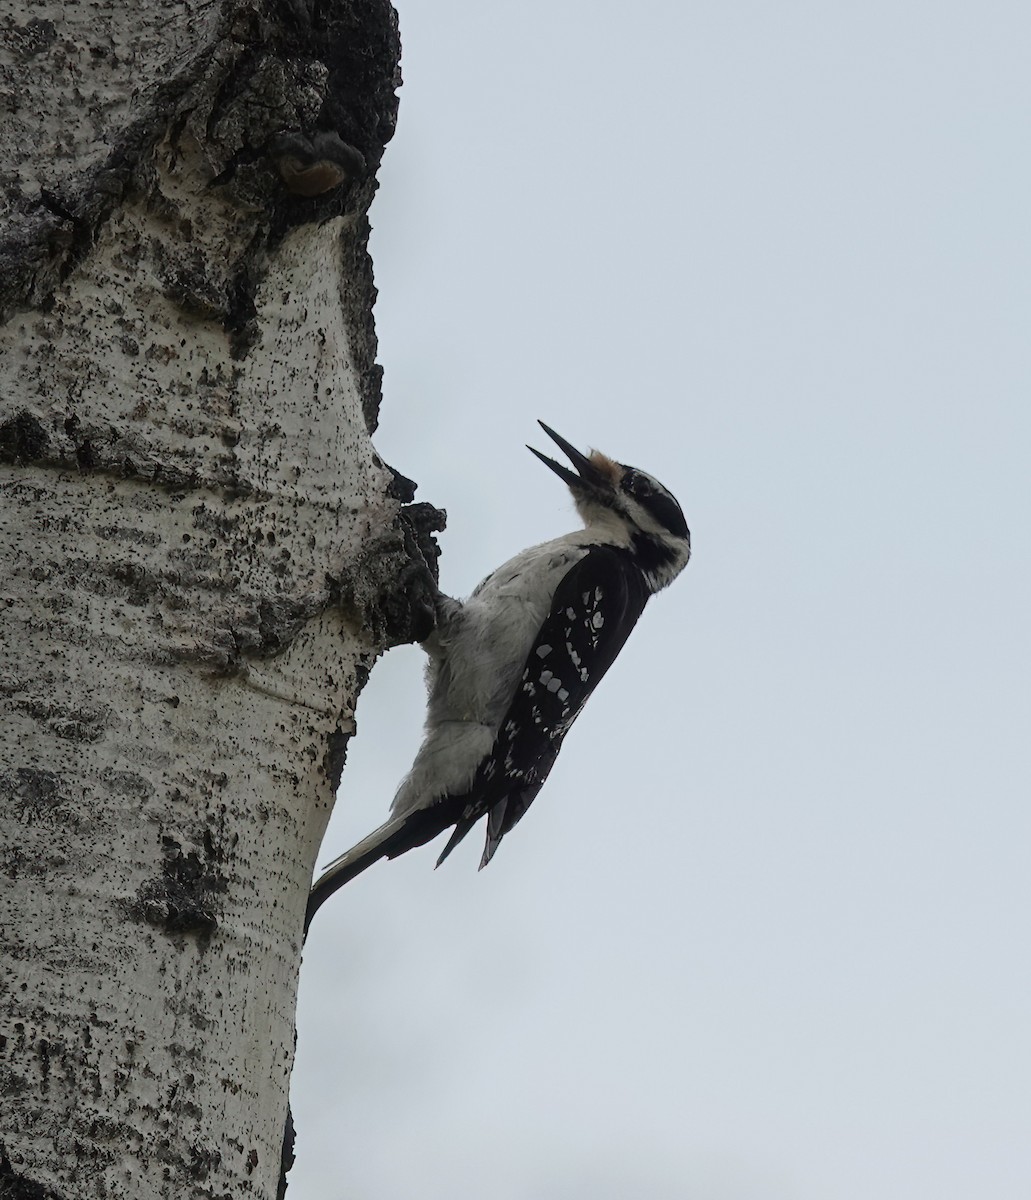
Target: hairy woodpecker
(511,668)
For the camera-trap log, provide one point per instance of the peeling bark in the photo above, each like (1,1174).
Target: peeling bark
(201,557)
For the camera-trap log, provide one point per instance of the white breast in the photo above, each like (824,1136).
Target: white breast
(479,657)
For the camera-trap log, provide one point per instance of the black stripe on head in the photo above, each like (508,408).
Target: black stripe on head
(651,555)
(656,500)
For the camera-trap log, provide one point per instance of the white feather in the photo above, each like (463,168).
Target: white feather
(475,666)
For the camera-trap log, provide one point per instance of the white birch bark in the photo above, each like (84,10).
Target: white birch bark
(201,557)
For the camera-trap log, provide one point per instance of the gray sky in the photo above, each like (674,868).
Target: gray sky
(765,933)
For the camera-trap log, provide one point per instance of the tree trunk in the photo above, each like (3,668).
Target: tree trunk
(201,556)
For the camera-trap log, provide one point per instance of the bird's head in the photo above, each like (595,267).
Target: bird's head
(628,505)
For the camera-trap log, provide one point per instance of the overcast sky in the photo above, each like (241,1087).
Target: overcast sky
(765,933)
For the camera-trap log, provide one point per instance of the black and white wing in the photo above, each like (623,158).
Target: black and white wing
(594,608)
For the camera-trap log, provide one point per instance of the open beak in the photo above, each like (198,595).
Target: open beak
(589,476)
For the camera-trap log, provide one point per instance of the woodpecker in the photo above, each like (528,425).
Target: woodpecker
(511,668)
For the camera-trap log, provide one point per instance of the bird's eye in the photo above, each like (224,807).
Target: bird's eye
(641,485)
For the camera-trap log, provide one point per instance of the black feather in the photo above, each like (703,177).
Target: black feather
(595,607)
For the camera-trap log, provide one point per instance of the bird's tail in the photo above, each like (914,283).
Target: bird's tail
(461,829)
(392,838)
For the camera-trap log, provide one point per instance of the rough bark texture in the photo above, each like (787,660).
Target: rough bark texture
(201,556)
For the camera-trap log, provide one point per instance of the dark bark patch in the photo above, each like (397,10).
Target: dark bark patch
(391,593)
(241,319)
(400,487)
(127,783)
(84,723)
(182,898)
(32,38)
(23,438)
(287,1155)
(408,609)
(202,1162)
(36,798)
(336,750)
(358,299)
(195,292)
(360,44)
(281,618)
(12,1084)
(34,792)
(84,456)
(16,1186)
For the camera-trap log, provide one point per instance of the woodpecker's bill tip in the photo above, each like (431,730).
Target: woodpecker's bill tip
(589,475)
